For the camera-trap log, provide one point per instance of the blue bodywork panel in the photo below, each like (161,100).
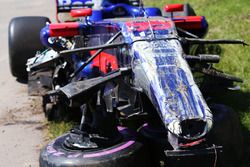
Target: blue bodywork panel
(104,9)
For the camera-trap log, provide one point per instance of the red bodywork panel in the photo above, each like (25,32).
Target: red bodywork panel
(81,12)
(64,29)
(189,22)
(105,62)
(144,25)
(174,8)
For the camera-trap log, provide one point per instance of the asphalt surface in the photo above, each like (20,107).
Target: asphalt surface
(21,118)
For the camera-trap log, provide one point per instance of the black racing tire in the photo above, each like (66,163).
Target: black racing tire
(188,10)
(24,42)
(128,153)
(156,139)
(227,132)
(61,112)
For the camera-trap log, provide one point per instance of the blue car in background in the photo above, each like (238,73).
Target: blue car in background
(105,9)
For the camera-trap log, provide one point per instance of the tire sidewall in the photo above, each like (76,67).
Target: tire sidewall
(24,42)
(226,132)
(128,152)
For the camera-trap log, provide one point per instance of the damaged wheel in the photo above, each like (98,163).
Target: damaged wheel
(127,153)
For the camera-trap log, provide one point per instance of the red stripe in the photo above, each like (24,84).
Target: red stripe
(174,8)
(192,143)
(81,12)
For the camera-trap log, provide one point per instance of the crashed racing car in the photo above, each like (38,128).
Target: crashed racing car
(132,78)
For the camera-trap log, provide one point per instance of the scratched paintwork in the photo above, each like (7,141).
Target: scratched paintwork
(164,75)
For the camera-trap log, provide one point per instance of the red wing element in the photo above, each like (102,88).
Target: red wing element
(189,22)
(64,29)
(174,8)
(81,12)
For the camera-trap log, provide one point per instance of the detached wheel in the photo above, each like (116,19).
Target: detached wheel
(24,42)
(128,153)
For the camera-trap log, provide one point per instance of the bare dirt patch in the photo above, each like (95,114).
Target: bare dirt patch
(21,133)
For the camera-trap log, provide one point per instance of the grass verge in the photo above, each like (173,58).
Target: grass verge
(56,129)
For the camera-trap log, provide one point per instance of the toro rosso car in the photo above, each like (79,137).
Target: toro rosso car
(139,83)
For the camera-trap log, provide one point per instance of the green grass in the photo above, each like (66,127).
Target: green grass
(228,20)
(56,129)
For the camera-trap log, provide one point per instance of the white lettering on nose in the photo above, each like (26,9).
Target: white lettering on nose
(64,3)
(77,3)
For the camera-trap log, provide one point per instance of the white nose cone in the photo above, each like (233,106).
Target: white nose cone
(209,124)
(190,128)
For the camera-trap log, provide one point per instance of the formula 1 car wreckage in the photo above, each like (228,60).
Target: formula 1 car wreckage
(132,74)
